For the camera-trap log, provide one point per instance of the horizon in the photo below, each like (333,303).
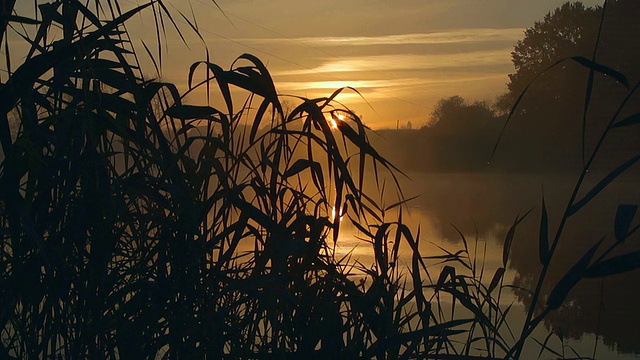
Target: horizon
(402,57)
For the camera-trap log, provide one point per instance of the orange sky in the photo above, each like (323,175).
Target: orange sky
(401,55)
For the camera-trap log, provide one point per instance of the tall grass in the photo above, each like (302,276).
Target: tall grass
(137,225)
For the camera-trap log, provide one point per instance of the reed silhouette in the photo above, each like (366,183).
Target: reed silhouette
(138,225)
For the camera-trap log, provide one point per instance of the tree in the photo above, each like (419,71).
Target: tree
(572,30)
(453,115)
(552,108)
(445,107)
(502,104)
(460,135)
(569,30)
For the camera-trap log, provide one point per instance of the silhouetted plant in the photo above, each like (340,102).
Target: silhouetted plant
(137,225)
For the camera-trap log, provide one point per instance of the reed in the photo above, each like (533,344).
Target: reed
(138,225)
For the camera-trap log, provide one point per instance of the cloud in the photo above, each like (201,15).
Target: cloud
(414,93)
(378,84)
(444,37)
(378,63)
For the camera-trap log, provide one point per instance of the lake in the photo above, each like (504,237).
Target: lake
(484,205)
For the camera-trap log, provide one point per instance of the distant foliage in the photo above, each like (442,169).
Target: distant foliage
(455,115)
(569,30)
(561,100)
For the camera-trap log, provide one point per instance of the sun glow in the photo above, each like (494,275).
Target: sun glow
(333,214)
(333,121)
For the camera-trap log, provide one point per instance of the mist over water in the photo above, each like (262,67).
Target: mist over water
(484,205)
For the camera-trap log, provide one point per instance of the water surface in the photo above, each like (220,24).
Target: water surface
(599,313)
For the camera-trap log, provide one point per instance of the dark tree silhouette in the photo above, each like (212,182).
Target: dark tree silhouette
(567,31)
(444,107)
(455,115)
(550,115)
(552,112)
(461,133)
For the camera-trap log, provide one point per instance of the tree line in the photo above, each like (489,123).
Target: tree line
(547,130)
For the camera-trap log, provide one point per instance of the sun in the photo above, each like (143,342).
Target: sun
(335,117)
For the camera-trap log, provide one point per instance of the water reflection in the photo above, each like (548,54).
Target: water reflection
(486,205)
(606,307)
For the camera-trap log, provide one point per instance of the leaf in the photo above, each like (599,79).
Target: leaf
(543,346)
(318,177)
(601,69)
(222,80)
(115,79)
(603,184)
(571,278)
(88,14)
(624,217)
(543,242)
(151,57)
(615,265)
(247,78)
(188,112)
(447,271)
(25,76)
(585,111)
(496,279)
(462,237)
(153,89)
(185,129)
(378,247)
(360,228)
(480,316)
(421,301)
(255,213)
(258,118)
(399,203)
(297,167)
(509,238)
(358,140)
(270,94)
(105,64)
(631,120)
(20,19)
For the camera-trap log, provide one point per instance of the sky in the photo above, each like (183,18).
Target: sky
(402,56)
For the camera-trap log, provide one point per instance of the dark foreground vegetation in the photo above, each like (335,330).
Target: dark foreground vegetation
(135,225)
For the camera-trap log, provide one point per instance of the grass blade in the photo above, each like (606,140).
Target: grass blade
(624,217)
(602,185)
(509,238)
(602,69)
(615,265)
(543,241)
(496,279)
(571,278)
(189,112)
(631,120)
